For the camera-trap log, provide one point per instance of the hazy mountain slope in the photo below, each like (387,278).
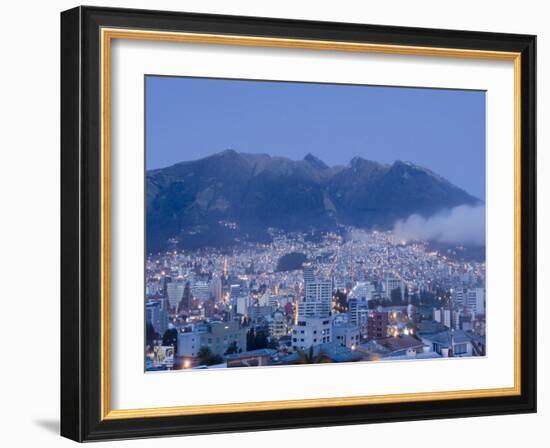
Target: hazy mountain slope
(236,195)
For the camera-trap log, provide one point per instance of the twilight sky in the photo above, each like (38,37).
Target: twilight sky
(443,130)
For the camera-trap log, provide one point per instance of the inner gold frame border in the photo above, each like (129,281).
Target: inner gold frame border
(107,36)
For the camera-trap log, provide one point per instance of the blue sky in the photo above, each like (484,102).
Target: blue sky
(443,130)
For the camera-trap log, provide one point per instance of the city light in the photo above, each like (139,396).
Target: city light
(359,298)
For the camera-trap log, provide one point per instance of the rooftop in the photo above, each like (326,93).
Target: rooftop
(446,337)
(332,350)
(392,344)
(427,327)
(252,353)
(426,355)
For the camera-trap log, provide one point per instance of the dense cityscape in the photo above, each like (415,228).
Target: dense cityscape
(307,298)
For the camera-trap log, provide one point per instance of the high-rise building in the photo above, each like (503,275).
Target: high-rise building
(174,291)
(446,316)
(234,293)
(185,302)
(242,304)
(358,306)
(216,288)
(393,283)
(317,300)
(471,298)
(156,314)
(201,291)
(358,312)
(318,291)
(152,287)
(309,274)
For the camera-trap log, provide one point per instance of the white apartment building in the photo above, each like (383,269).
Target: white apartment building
(311,331)
(217,336)
(189,344)
(346,335)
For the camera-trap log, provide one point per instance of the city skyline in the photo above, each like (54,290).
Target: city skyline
(331,224)
(360,298)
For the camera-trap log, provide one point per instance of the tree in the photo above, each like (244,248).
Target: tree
(255,341)
(232,348)
(428,298)
(291,262)
(150,334)
(415,299)
(311,358)
(250,338)
(185,302)
(341,300)
(171,338)
(204,352)
(208,358)
(375,303)
(396,297)
(260,341)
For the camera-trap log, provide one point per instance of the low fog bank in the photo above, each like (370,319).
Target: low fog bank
(460,225)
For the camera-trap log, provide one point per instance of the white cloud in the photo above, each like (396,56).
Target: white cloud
(460,225)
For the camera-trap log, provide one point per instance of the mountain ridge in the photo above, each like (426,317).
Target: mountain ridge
(233,196)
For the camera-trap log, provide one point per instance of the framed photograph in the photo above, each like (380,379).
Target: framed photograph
(273,223)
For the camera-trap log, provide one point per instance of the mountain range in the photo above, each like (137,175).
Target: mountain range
(233,196)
